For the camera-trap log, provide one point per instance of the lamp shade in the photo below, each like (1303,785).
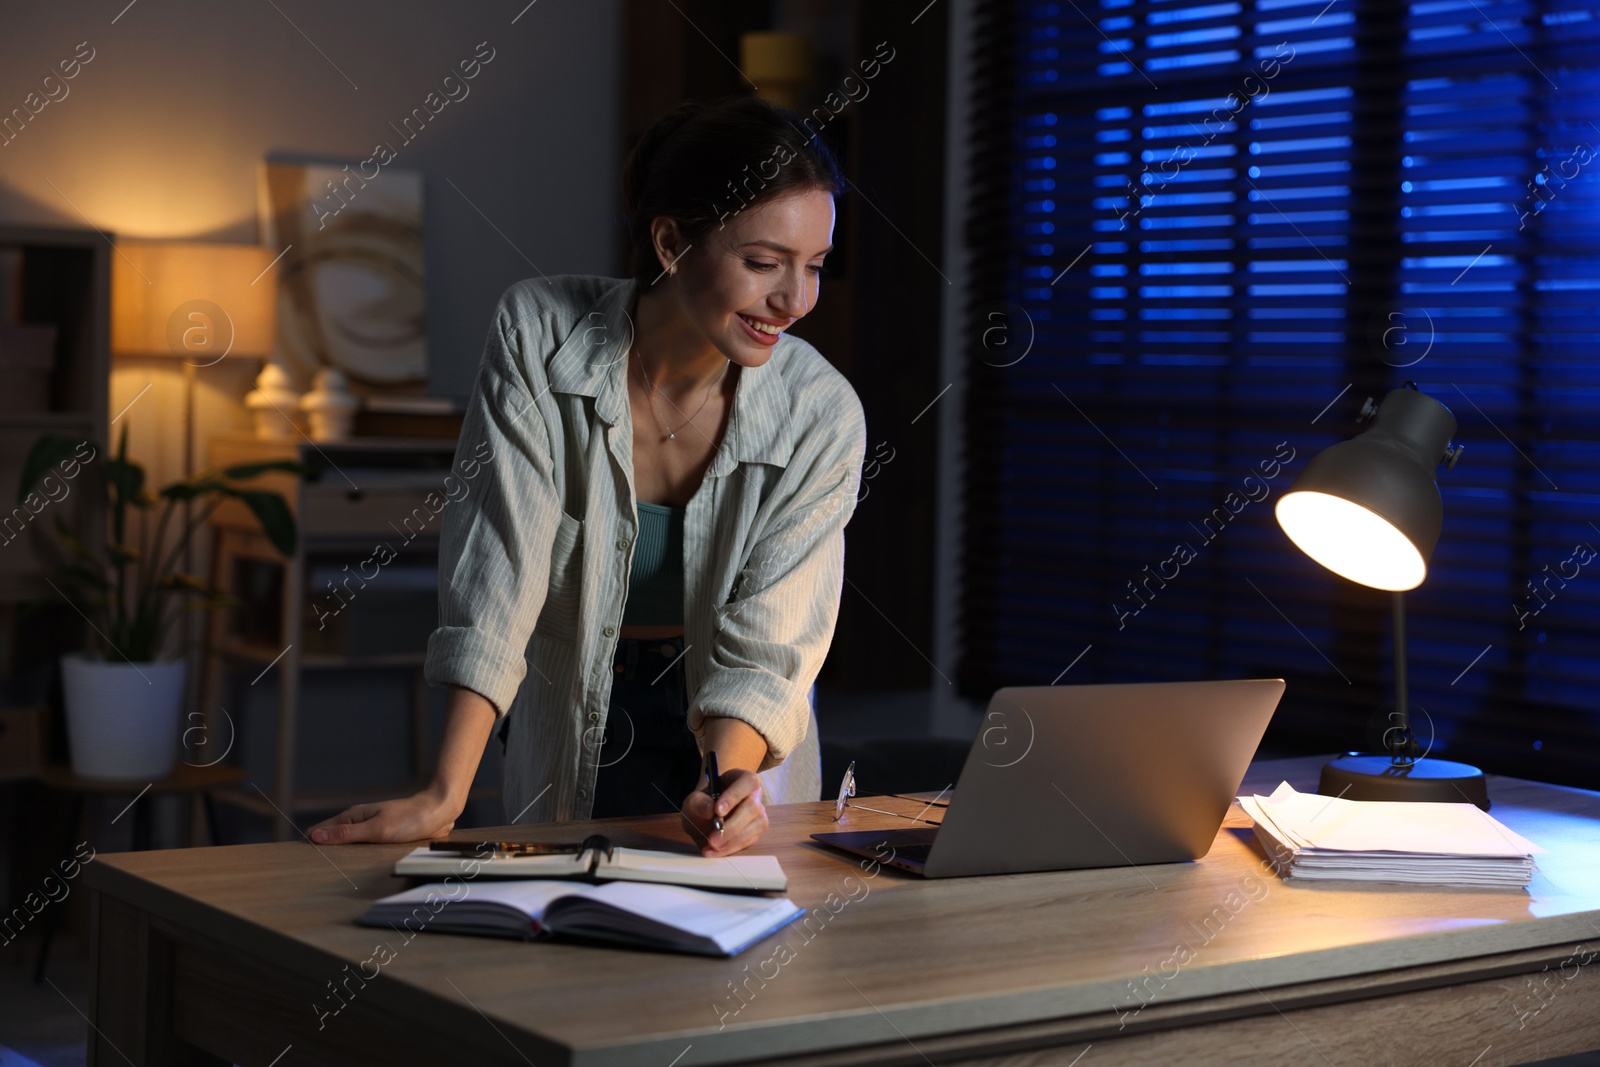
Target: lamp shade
(1368,509)
(193,300)
(778,64)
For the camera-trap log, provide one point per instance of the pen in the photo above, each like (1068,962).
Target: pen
(714,785)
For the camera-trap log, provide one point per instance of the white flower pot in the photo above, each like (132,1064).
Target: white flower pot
(123,718)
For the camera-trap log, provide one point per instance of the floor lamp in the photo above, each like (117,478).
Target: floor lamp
(197,302)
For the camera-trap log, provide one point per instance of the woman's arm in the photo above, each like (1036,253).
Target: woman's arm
(740,751)
(770,639)
(494,570)
(432,812)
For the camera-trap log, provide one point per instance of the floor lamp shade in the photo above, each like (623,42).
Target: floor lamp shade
(197,301)
(1368,509)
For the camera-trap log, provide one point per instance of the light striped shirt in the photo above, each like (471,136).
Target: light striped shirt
(534,559)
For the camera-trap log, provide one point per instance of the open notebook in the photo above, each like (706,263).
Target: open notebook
(751,873)
(665,917)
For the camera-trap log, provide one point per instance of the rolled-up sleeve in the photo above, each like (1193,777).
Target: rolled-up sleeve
(495,542)
(772,636)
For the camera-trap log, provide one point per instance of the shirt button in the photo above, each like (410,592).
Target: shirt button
(594,716)
(609,631)
(583,793)
(622,543)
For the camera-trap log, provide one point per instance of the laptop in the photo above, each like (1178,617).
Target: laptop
(1065,777)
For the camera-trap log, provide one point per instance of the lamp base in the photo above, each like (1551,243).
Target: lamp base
(1357,777)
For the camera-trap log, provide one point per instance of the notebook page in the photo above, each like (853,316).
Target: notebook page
(530,896)
(716,916)
(735,872)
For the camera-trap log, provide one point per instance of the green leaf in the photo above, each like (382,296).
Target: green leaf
(117,479)
(277,521)
(221,600)
(186,583)
(121,554)
(270,509)
(127,479)
(250,470)
(192,490)
(48,451)
(213,481)
(74,545)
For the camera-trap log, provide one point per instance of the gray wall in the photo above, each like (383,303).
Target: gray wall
(160,133)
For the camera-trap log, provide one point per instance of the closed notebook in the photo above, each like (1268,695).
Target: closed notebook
(751,873)
(666,917)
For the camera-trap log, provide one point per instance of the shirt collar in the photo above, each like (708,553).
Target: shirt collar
(593,361)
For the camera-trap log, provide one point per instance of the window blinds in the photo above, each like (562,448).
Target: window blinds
(1201,235)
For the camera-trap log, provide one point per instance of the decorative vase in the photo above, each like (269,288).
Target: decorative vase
(330,405)
(273,402)
(123,718)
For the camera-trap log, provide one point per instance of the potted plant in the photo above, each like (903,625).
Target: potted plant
(124,702)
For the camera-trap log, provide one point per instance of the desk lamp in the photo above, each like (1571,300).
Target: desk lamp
(1368,510)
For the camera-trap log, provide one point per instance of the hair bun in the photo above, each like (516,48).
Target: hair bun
(700,165)
(648,146)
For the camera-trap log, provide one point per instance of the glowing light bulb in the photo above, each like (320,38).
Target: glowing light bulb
(1350,540)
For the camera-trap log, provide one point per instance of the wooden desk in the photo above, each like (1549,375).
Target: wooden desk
(238,950)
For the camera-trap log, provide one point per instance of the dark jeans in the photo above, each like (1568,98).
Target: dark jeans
(648,759)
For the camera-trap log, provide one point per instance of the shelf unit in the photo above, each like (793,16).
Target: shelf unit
(65,282)
(357,494)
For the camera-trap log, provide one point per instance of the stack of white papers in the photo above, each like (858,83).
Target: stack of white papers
(1316,838)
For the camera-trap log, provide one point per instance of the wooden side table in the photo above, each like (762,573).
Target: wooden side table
(197,783)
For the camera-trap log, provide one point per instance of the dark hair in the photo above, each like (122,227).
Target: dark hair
(701,164)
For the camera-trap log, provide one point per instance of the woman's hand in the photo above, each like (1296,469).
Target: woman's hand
(433,812)
(422,816)
(744,816)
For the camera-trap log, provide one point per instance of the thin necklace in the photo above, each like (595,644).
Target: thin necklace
(650,398)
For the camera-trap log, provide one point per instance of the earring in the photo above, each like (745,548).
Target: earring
(672,270)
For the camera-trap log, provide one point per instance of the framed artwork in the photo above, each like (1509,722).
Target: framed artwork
(350,285)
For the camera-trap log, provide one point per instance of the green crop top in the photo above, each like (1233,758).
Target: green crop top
(655,582)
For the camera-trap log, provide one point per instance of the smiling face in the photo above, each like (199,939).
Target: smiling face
(741,285)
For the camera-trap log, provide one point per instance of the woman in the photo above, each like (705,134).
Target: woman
(657,526)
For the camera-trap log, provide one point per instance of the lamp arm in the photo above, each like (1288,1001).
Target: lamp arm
(1397,738)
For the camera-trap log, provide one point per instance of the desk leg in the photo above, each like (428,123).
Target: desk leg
(130,989)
